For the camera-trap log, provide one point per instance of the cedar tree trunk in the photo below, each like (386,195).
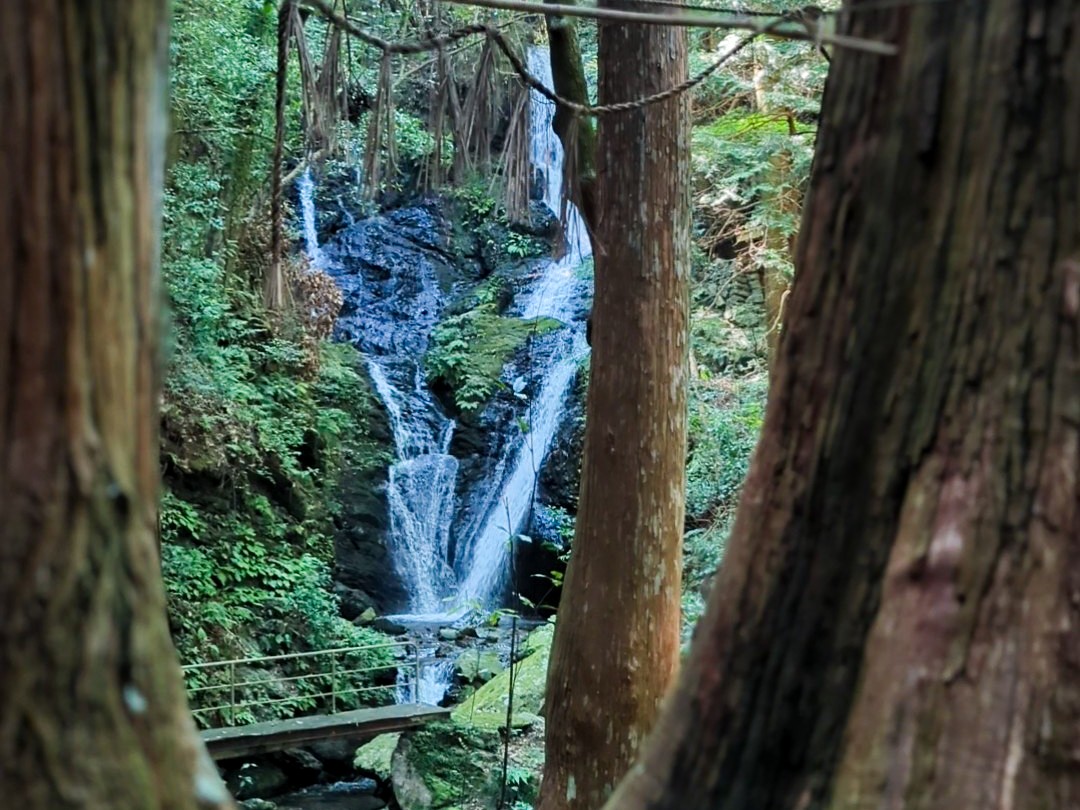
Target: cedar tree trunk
(92,708)
(616,642)
(897,622)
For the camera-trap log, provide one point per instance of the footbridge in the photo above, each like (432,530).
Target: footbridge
(255,705)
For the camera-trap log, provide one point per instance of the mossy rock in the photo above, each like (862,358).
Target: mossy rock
(477,666)
(375,757)
(487,705)
(469,351)
(443,765)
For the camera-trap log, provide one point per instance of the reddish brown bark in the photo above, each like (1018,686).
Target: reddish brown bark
(617,639)
(896,624)
(92,708)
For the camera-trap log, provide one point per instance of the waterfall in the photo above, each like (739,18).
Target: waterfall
(556,293)
(422,481)
(420,489)
(307,213)
(436,675)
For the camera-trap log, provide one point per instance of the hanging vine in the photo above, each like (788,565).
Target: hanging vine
(471,123)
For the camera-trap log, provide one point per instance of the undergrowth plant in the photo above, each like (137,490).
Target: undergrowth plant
(469,351)
(260,415)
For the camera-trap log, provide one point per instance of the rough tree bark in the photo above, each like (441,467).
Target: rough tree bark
(92,708)
(617,639)
(897,622)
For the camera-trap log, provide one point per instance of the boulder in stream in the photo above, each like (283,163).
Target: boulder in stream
(477,666)
(374,757)
(487,705)
(254,780)
(443,765)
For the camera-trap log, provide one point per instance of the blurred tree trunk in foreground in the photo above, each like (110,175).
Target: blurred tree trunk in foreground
(92,708)
(897,622)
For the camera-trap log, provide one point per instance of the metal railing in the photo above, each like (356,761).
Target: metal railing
(235,687)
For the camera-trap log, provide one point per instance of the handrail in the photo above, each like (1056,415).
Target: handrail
(333,680)
(310,654)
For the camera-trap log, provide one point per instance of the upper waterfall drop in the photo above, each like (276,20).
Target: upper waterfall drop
(557,296)
(306,186)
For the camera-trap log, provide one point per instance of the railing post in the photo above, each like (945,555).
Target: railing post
(333,684)
(232,693)
(416,674)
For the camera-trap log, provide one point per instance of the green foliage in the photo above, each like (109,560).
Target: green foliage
(247,551)
(482,218)
(520,245)
(522,786)
(475,202)
(721,347)
(724,427)
(259,420)
(468,351)
(454,765)
(745,165)
(247,511)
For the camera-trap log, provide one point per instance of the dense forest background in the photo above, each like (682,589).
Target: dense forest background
(269,424)
(437,458)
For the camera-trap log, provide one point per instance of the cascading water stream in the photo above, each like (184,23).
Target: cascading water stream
(307,209)
(422,481)
(556,293)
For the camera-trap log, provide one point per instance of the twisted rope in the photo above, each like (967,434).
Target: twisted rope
(440,42)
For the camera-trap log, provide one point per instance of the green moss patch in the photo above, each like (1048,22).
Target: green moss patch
(376,756)
(445,765)
(469,350)
(486,707)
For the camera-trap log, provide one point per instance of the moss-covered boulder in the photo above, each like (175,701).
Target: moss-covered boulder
(486,707)
(445,766)
(468,353)
(374,758)
(477,666)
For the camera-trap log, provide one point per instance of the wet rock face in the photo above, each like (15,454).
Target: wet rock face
(400,273)
(364,575)
(560,478)
(252,780)
(393,271)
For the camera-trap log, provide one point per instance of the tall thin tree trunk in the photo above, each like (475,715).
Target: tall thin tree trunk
(617,639)
(92,708)
(896,624)
(775,282)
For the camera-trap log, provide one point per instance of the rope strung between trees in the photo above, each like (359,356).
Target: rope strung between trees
(435,43)
(798,25)
(803,20)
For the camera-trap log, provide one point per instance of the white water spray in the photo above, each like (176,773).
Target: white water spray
(307,210)
(420,489)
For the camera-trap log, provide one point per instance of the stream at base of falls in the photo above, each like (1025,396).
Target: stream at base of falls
(353,795)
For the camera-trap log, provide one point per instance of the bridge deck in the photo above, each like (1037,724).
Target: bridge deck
(258,738)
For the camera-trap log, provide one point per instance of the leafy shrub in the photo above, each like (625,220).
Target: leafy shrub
(724,427)
(468,351)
